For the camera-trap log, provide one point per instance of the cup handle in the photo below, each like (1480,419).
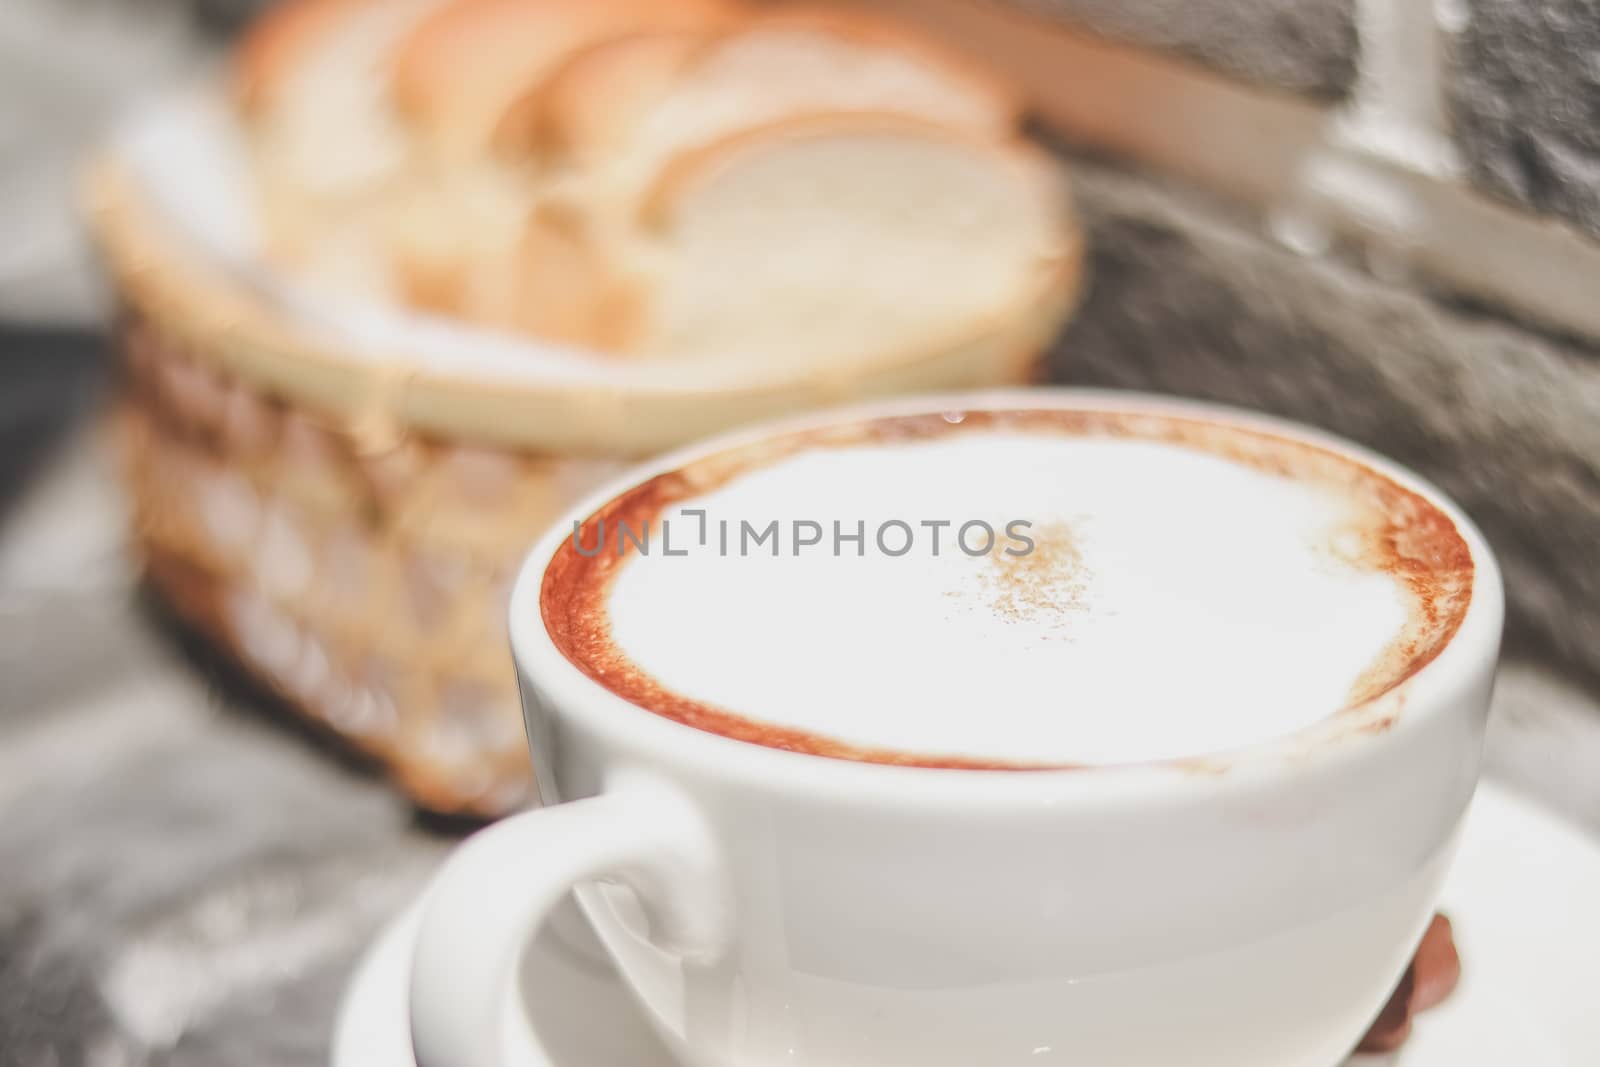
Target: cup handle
(495,891)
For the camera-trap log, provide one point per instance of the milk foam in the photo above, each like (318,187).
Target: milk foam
(1178,602)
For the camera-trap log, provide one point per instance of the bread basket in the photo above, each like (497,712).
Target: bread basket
(347,527)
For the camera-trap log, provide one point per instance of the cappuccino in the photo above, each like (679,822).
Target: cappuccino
(1011,589)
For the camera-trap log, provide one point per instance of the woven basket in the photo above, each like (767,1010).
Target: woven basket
(349,532)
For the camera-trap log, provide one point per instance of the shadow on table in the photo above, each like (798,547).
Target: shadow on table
(241,693)
(51,382)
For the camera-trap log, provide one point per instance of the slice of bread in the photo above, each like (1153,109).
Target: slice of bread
(454,238)
(606,123)
(590,104)
(819,241)
(461,70)
(786,61)
(567,283)
(682,180)
(312,80)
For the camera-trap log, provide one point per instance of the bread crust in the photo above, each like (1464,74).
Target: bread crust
(692,164)
(464,67)
(591,102)
(574,285)
(596,96)
(463,76)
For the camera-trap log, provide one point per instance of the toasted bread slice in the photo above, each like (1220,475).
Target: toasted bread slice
(812,242)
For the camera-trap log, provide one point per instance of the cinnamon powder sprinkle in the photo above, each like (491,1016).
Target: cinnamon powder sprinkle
(1043,585)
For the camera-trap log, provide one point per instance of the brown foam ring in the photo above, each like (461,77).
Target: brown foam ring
(1399,532)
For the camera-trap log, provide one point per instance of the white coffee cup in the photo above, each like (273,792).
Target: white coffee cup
(772,907)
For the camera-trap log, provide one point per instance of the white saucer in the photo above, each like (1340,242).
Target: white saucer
(1523,897)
